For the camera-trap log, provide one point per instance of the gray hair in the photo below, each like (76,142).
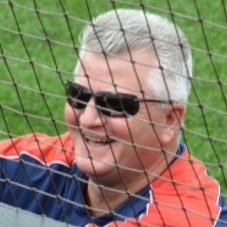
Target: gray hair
(121,30)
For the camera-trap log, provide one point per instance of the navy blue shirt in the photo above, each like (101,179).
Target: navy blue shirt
(58,192)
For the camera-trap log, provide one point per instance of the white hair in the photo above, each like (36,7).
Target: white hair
(121,30)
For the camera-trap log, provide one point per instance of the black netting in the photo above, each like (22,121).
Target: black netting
(40,43)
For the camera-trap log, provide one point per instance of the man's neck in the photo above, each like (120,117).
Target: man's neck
(103,198)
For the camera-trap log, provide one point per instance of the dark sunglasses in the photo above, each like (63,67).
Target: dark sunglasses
(110,104)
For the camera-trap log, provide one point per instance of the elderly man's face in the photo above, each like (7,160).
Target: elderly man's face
(95,153)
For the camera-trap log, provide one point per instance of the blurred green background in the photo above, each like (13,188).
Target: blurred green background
(38,41)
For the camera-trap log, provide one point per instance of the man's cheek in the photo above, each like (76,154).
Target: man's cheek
(71,116)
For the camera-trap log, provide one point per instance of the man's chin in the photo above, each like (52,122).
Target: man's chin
(93,169)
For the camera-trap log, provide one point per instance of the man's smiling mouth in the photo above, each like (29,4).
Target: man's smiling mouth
(98,140)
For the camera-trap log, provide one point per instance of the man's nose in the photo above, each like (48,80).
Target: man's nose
(91,117)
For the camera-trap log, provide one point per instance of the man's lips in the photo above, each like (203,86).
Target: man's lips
(98,140)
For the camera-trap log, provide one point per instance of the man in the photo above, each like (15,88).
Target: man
(122,163)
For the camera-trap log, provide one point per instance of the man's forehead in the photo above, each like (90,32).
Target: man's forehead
(114,62)
(114,71)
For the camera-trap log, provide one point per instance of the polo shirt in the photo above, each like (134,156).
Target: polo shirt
(39,174)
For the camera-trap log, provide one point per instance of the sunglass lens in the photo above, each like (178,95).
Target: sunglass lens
(117,105)
(77,95)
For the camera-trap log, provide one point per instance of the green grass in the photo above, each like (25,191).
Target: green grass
(205,128)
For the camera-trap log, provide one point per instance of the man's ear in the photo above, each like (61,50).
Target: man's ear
(174,116)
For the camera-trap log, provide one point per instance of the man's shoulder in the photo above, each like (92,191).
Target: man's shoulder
(192,193)
(43,148)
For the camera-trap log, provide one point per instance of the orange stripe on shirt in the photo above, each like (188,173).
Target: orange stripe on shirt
(40,146)
(184,195)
